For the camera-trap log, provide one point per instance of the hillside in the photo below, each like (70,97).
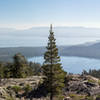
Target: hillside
(84,50)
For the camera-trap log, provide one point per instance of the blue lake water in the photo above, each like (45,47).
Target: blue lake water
(73,64)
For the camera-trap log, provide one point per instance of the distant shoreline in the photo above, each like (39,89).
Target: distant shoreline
(87,51)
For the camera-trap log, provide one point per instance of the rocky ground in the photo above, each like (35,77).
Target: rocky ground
(12,89)
(77,87)
(82,86)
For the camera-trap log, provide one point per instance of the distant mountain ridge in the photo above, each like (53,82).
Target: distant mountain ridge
(59,32)
(88,51)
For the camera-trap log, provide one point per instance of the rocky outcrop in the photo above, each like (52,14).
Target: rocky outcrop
(6,91)
(76,86)
(33,81)
(85,84)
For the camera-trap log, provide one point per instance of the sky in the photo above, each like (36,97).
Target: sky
(23,14)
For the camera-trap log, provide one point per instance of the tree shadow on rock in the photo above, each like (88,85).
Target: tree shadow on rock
(40,92)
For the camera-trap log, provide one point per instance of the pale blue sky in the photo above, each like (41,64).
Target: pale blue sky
(28,13)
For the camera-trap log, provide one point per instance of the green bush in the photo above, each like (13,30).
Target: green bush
(89,98)
(27,88)
(16,88)
(99,82)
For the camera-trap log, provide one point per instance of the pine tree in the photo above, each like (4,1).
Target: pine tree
(21,68)
(52,69)
(1,70)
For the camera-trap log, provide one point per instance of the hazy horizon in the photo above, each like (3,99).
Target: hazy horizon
(24,14)
(27,22)
(38,36)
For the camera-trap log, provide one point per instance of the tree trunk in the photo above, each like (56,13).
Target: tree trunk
(51,96)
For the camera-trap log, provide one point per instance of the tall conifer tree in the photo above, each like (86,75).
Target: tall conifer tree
(52,69)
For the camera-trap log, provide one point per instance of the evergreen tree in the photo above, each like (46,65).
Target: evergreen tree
(1,70)
(35,68)
(52,69)
(21,68)
(8,73)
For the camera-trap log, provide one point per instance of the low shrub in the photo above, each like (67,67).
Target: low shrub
(99,82)
(27,88)
(16,88)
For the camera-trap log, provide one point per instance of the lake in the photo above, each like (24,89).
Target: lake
(73,64)
(70,64)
